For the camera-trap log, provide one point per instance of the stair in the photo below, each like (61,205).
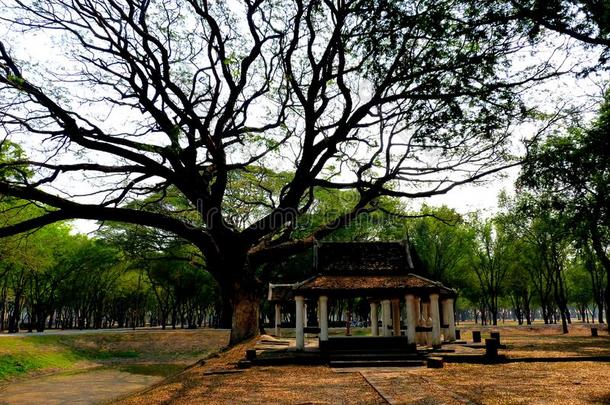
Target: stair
(377,363)
(373,356)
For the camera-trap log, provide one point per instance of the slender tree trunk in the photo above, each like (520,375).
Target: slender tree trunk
(4,303)
(608,300)
(561,301)
(15,316)
(605,260)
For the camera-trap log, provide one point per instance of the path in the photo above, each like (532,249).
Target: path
(47,332)
(398,386)
(82,388)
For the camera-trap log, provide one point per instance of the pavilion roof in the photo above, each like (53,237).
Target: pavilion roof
(370,285)
(367,269)
(366,258)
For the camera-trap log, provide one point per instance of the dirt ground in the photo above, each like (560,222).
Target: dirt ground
(542,382)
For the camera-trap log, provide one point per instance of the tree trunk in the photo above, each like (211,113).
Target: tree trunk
(15,316)
(605,260)
(4,303)
(226,310)
(246,306)
(527,310)
(608,300)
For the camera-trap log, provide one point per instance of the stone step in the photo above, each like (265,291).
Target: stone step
(374,356)
(377,363)
(369,351)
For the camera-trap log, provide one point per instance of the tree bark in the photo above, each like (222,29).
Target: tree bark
(226,310)
(246,307)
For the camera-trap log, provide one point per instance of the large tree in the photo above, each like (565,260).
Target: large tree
(402,99)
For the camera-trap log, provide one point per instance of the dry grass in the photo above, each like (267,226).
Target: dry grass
(159,346)
(514,383)
(546,340)
(526,383)
(542,382)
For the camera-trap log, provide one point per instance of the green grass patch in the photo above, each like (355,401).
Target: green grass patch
(20,356)
(29,354)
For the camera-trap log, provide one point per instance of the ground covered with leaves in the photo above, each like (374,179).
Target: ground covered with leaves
(543,381)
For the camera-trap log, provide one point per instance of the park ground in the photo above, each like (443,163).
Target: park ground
(85,367)
(153,367)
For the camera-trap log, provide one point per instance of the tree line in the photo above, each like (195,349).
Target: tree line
(53,278)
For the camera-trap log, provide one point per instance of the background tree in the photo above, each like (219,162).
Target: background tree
(490,262)
(573,168)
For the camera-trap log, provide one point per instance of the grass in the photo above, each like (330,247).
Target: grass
(26,355)
(152,352)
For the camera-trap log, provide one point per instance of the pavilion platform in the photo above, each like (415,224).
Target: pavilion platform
(363,352)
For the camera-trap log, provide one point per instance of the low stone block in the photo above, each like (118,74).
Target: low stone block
(250,354)
(435,362)
(244,364)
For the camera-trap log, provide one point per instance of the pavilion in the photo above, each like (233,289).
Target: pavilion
(390,275)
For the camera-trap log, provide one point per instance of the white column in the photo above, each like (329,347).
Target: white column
(436,320)
(278,319)
(411,317)
(374,320)
(305,315)
(443,309)
(299,322)
(450,319)
(323,317)
(420,337)
(386,318)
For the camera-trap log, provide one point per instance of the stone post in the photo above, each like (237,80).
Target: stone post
(396,317)
(411,317)
(323,314)
(425,320)
(305,314)
(385,318)
(278,319)
(436,320)
(374,320)
(299,300)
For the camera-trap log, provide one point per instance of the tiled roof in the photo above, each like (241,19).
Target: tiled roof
(368,283)
(363,269)
(367,258)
